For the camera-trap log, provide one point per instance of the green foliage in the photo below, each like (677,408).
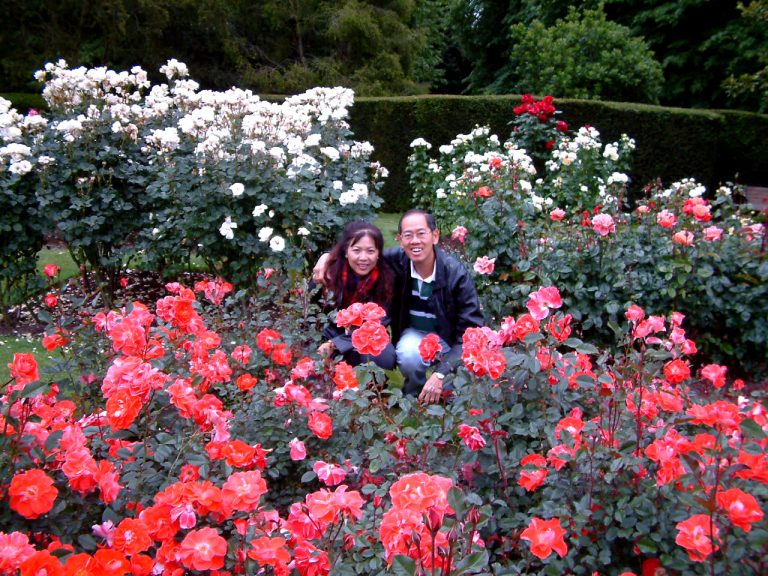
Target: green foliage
(283,47)
(507,210)
(695,59)
(22,221)
(671,143)
(583,56)
(755,83)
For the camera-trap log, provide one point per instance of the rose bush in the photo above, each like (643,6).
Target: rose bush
(214,438)
(167,173)
(22,225)
(568,223)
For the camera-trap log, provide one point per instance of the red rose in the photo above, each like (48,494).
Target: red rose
(24,368)
(429,347)
(51,270)
(321,425)
(484,192)
(371,338)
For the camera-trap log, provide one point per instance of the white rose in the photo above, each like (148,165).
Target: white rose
(237,189)
(259,210)
(277,243)
(227,228)
(265,233)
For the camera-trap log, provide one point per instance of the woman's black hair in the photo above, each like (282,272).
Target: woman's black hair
(353,232)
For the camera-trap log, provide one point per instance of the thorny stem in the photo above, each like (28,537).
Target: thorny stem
(502,470)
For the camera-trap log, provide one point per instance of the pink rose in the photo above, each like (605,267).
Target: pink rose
(683,237)
(459,233)
(557,215)
(666,219)
(603,224)
(484,265)
(712,233)
(298,450)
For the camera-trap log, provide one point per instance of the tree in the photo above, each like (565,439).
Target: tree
(752,85)
(698,42)
(582,56)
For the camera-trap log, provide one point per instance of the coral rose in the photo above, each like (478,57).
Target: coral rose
(32,493)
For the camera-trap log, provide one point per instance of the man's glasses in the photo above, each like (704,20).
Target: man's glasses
(420,234)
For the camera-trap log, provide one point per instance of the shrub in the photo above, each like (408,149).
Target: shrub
(227,448)
(583,56)
(569,226)
(22,223)
(171,173)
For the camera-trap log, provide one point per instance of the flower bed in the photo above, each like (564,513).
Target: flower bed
(558,215)
(201,435)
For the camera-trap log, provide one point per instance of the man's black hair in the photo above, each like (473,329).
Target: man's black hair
(430,219)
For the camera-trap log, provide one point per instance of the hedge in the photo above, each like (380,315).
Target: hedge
(712,146)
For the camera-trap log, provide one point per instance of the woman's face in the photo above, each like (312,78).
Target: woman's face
(362,256)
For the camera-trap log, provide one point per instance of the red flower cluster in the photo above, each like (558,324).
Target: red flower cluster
(214,290)
(480,352)
(543,109)
(419,502)
(536,472)
(358,313)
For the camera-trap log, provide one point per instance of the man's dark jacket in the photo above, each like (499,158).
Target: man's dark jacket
(453,301)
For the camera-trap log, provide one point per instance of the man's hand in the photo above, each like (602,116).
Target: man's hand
(326,349)
(432,391)
(318,272)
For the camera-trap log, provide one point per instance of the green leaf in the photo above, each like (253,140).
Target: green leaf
(87,542)
(403,566)
(456,500)
(308,476)
(30,390)
(472,563)
(704,271)
(752,429)
(52,441)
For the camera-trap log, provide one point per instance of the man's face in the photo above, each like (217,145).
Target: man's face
(417,239)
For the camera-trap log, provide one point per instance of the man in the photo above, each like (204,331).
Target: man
(433,293)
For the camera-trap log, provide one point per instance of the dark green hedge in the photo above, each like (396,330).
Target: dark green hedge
(23,101)
(712,146)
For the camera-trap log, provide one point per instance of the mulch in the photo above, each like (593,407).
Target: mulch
(142,285)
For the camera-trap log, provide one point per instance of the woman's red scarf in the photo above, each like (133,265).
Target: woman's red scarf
(364,286)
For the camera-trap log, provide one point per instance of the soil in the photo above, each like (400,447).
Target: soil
(142,285)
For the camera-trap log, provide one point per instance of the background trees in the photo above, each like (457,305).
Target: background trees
(712,53)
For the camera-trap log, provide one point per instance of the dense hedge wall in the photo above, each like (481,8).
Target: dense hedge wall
(711,146)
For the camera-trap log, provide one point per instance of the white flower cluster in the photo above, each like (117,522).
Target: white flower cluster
(70,88)
(421,143)
(352,196)
(687,187)
(18,157)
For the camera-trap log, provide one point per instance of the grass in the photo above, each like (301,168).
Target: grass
(61,258)
(387,222)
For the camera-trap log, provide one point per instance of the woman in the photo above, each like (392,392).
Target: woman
(356,272)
